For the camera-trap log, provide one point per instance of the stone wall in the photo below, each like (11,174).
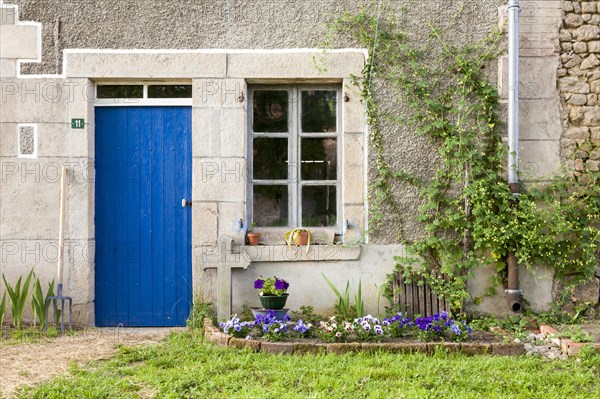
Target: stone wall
(579,86)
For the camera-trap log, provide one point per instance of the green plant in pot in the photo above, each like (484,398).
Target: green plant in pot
(273,292)
(299,236)
(253,236)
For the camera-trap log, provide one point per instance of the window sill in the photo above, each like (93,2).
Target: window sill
(273,236)
(316,253)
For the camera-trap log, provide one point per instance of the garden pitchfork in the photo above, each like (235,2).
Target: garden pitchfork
(61,257)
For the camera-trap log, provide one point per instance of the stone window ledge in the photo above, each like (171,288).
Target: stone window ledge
(315,253)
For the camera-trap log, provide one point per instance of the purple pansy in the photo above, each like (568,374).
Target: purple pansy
(258,283)
(279,284)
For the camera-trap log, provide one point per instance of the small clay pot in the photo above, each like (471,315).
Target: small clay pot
(302,238)
(253,238)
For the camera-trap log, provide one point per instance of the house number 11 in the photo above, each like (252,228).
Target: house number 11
(77,123)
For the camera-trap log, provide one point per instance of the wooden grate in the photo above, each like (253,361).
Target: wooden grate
(416,297)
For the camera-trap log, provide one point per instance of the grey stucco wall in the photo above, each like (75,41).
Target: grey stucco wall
(264,24)
(268,24)
(369,270)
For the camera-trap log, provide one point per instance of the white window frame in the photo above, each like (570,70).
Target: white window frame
(294,136)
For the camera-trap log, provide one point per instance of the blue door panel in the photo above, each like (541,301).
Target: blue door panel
(121,208)
(143,235)
(156,193)
(183,169)
(169,211)
(145,211)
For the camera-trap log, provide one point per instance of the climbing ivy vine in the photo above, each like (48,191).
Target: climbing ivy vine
(470,216)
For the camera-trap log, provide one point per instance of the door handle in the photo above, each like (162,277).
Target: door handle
(185,203)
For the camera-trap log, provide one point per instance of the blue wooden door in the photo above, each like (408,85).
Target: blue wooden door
(143,234)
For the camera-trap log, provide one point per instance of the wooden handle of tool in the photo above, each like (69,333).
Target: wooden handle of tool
(61,232)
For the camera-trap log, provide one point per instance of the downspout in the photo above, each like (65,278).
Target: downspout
(512,290)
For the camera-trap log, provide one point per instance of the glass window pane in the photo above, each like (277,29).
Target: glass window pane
(319,111)
(120,91)
(270,205)
(270,111)
(319,159)
(319,206)
(170,91)
(269,158)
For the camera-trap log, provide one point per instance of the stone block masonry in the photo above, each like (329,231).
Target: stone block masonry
(579,85)
(540,113)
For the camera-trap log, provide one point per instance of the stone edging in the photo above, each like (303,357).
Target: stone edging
(215,336)
(568,346)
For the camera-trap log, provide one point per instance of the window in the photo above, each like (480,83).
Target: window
(144,94)
(294,171)
(169,91)
(120,91)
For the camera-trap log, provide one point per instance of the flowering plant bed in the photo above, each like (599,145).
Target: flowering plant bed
(397,334)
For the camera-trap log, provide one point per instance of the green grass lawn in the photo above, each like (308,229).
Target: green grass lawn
(184,366)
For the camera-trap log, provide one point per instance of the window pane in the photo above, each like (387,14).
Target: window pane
(319,111)
(318,206)
(120,91)
(319,159)
(270,111)
(270,205)
(170,91)
(269,158)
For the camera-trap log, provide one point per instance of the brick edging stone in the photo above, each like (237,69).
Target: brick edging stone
(568,346)
(215,336)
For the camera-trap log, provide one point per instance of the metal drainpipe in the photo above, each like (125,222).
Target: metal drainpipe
(513,291)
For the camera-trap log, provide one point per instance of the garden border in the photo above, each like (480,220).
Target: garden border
(214,335)
(567,345)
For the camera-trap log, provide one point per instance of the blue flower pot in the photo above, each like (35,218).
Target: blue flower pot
(279,314)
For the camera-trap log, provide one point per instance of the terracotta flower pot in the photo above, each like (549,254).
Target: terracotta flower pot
(253,238)
(302,238)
